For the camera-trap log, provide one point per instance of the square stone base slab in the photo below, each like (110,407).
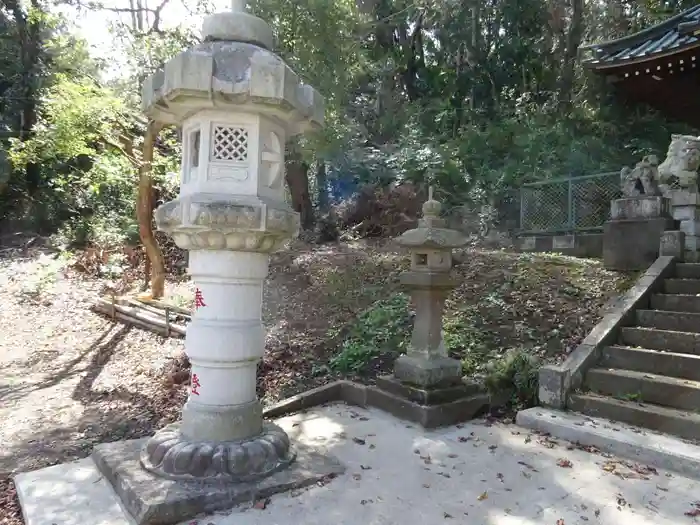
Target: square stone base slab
(429,416)
(427,396)
(156,501)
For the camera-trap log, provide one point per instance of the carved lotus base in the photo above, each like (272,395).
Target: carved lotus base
(170,455)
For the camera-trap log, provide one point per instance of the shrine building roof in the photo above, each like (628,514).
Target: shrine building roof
(676,35)
(658,66)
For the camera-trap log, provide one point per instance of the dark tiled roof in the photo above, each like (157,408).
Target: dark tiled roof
(677,33)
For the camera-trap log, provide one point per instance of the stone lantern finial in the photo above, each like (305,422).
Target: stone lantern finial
(431,208)
(237,25)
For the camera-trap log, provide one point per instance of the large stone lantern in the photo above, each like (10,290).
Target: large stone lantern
(427,384)
(237,103)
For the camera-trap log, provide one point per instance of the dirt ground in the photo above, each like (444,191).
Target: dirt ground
(70,379)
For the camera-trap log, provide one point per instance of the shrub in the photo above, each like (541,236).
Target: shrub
(517,375)
(381,328)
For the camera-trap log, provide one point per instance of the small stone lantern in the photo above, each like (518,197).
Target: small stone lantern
(426,363)
(427,385)
(237,103)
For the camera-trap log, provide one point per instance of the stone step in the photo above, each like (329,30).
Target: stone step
(688,270)
(684,366)
(667,340)
(679,423)
(682,286)
(638,444)
(676,302)
(665,320)
(644,387)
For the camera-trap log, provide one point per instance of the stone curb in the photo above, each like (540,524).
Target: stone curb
(556,381)
(639,445)
(371,396)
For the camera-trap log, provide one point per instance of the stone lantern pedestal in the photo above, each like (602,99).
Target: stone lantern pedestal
(237,103)
(427,385)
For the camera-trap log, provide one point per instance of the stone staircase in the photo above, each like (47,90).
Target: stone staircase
(650,377)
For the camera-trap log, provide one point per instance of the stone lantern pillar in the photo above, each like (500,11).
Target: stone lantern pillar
(427,384)
(237,103)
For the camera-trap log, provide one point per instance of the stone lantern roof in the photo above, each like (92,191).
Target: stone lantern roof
(431,231)
(232,69)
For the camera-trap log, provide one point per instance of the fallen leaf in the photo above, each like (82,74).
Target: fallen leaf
(695,511)
(446,515)
(359,441)
(483,496)
(564,463)
(261,504)
(527,465)
(609,466)
(560,521)
(365,467)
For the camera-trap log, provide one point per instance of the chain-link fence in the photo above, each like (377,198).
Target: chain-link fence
(568,205)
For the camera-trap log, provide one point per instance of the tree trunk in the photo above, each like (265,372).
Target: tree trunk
(144,212)
(573,41)
(322,186)
(297,176)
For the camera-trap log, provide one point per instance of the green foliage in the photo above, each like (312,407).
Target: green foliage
(78,116)
(464,340)
(466,96)
(516,374)
(90,182)
(384,327)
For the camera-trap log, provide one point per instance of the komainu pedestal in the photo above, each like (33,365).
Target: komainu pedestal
(631,238)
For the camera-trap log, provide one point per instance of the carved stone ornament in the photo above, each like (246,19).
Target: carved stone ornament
(170,455)
(246,224)
(642,180)
(680,169)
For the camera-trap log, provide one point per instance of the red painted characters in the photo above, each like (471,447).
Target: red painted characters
(198,299)
(195,385)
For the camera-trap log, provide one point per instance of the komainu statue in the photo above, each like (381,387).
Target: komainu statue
(680,169)
(643,179)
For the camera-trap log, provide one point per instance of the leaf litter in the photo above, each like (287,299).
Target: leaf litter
(144,377)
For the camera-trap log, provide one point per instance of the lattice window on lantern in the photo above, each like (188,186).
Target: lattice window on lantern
(229,144)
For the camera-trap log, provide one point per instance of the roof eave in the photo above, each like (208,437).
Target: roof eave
(597,66)
(643,34)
